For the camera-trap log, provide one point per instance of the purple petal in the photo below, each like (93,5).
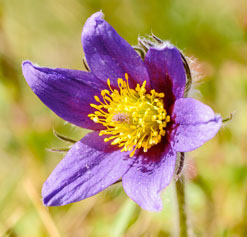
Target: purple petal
(67,92)
(89,167)
(194,124)
(108,55)
(151,173)
(166,71)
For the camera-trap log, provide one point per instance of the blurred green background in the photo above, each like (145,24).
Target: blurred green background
(48,32)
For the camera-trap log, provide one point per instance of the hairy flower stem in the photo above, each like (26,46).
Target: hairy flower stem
(181,205)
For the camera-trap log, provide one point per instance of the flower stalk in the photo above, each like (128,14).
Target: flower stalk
(181,205)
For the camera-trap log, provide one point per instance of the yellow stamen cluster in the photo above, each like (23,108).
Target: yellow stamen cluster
(133,118)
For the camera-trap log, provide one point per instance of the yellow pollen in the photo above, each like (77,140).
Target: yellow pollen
(133,118)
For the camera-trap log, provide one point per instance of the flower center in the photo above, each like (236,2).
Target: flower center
(133,118)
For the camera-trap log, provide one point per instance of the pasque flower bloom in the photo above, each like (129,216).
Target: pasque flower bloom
(137,111)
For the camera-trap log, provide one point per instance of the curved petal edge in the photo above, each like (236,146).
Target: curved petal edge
(194,123)
(88,168)
(148,176)
(166,71)
(66,92)
(110,56)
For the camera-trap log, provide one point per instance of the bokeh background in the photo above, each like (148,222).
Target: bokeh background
(48,33)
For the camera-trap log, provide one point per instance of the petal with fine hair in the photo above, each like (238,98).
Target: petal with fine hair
(108,55)
(89,167)
(194,123)
(66,92)
(149,175)
(166,71)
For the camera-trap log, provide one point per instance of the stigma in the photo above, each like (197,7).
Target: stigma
(132,118)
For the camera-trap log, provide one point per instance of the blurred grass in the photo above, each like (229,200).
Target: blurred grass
(48,32)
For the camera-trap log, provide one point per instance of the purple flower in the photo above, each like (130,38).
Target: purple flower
(136,109)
